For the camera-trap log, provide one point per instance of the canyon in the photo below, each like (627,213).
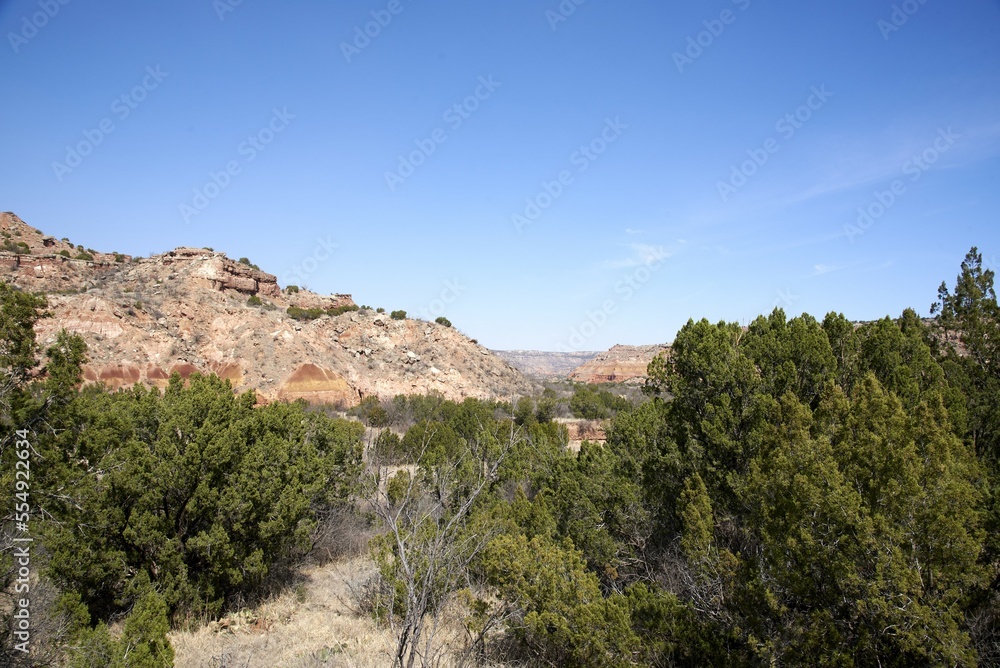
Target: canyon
(195,310)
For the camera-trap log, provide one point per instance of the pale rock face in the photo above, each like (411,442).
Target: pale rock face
(544,364)
(620,364)
(578,431)
(187,311)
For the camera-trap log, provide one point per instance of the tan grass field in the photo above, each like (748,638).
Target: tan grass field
(309,626)
(315,624)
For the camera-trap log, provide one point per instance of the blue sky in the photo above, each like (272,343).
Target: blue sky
(546,175)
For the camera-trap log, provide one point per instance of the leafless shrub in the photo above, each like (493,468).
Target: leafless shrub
(49,630)
(342,532)
(225,660)
(984,628)
(425,549)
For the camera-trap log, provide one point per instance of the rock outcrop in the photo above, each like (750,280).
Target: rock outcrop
(48,264)
(194,310)
(620,364)
(545,364)
(579,430)
(218,272)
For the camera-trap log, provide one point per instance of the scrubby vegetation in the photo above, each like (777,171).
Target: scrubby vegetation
(595,404)
(19,247)
(155,508)
(315,312)
(398,315)
(796,492)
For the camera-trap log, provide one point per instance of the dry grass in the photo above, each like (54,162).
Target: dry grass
(315,624)
(312,625)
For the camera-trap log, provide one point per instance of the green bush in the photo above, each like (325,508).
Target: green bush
(64,253)
(143,642)
(524,411)
(545,409)
(431,443)
(247,262)
(441,320)
(84,255)
(291,289)
(564,620)
(20,247)
(371,412)
(340,310)
(592,404)
(254,300)
(194,492)
(380,310)
(303,313)
(388,449)
(398,315)
(315,312)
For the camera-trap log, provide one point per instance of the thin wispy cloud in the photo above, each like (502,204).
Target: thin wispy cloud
(860,165)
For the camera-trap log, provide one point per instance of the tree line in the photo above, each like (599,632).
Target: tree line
(794,492)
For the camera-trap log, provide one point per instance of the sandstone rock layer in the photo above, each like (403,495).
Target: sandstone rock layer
(194,310)
(620,364)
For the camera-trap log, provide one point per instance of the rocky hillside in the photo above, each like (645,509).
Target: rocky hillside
(545,364)
(620,364)
(195,310)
